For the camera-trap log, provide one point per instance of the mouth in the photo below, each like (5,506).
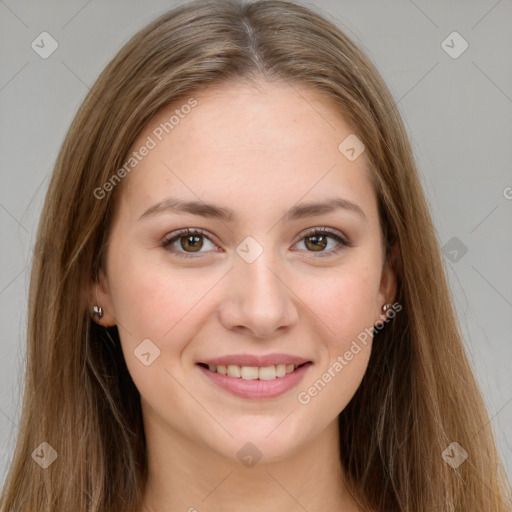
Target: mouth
(255,382)
(270,372)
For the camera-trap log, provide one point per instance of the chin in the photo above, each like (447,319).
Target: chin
(268,442)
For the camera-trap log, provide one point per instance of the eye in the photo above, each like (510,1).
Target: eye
(188,240)
(316,240)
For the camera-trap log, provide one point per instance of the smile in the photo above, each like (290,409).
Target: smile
(255,382)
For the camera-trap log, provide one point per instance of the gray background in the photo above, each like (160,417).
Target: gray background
(458,112)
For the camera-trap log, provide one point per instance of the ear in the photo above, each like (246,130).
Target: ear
(99,295)
(391,272)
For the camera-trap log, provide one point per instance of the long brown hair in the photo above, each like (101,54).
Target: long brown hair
(418,395)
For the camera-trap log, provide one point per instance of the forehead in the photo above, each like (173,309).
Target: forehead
(235,140)
(261,116)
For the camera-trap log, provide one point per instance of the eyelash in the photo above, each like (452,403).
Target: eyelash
(343,243)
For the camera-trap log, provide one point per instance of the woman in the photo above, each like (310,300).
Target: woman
(238,301)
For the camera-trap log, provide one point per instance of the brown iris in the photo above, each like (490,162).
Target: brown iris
(319,242)
(194,242)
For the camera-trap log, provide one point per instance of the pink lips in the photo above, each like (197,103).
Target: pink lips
(256,389)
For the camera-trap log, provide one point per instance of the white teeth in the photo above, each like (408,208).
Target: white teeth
(267,373)
(249,372)
(281,370)
(254,372)
(233,370)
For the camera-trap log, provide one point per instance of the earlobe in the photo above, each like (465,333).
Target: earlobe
(100,303)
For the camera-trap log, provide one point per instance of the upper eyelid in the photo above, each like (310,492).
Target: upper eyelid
(192,231)
(329,231)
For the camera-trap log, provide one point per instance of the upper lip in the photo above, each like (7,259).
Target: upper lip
(254,360)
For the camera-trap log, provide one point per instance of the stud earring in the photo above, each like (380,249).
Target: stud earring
(386,307)
(97,312)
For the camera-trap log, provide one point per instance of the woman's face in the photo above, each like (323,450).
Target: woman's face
(261,285)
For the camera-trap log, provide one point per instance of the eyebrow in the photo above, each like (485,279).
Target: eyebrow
(300,211)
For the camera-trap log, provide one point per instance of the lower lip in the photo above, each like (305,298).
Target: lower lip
(257,389)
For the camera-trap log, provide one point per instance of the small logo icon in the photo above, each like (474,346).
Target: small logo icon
(44,455)
(249,455)
(454,45)
(454,455)
(146,352)
(454,249)
(249,249)
(44,45)
(351,147)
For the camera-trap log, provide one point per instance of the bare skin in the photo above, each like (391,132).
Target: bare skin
(258,151)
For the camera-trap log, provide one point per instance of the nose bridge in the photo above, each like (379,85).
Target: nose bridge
(260,279)
(258,298)
(260,285)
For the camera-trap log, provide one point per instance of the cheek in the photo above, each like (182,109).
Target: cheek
(344,305)
(153,301)
(344,300)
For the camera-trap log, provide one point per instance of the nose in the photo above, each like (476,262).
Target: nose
(258,299)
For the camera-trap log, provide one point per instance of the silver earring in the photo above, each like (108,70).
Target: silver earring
(386,307)
(97,312)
